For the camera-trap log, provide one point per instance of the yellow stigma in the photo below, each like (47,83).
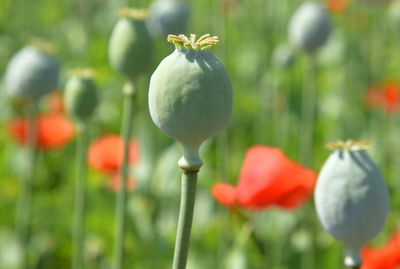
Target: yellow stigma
(44,46)
(204,42)
(135,14)
(82,72)
(349,145)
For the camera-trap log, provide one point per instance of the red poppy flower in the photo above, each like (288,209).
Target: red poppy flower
(115,183)
(54,102)
(268,178)
(106,153)
(224,194)
(53,130)
(386,97)
(337,6)
(385,257)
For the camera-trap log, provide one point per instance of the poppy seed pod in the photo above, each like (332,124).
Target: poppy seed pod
(190,95)
(351,198)
(168,17)
(310,26)
(31,73)
(81,94)
(130,46)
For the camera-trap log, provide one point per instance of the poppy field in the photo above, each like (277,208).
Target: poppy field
(221,134)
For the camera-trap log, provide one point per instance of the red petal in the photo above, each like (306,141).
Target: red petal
(106,153)
(269,178)
(115,181)
(224,194)
(53,130)
(54,102)
(337,6)
(385,257)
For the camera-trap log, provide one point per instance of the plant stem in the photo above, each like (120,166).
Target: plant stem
(80,198)
(188,195)
(23,214)
(129,92)
(308,107)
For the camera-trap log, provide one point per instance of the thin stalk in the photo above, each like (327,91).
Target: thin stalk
(24,205)
(188,195)
(126,130)
(308,107)
(80,199)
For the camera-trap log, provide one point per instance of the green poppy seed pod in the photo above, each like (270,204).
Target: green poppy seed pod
(130,46)
(81,94)
(394,14)
(310,26)
(351,198)
(168,17)
(190,95)
(32,72)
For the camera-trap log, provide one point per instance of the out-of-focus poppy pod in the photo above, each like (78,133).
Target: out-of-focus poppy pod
(385,257)
(386,97)
(337,6)
(225,194)
(106,153)
(268,178)
(53,130)
(115,183)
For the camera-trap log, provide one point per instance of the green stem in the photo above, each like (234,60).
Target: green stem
(126,130)
(80,198)
(23,214)
(308,107)
(188,195)
(354,267)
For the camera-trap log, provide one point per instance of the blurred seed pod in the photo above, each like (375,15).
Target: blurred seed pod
(283,56)
(310,26)
(81,94)
(351,198)
(31,73)
(394,14)
(168,17)
(190,94)
(130,45)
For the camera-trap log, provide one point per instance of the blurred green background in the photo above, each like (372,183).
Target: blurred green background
(363,50)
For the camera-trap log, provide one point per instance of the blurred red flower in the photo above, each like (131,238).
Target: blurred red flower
(386,97)
(53,130)
(115,183)
(106,155)
(337,6)
(385,257)
(54,102)
(268,178)
(224,194)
